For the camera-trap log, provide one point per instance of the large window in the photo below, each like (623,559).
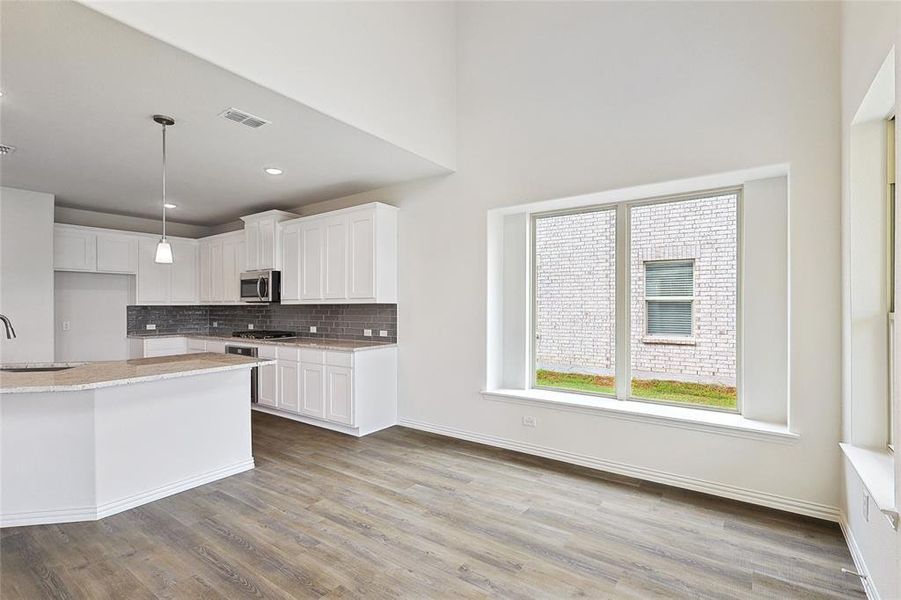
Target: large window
(676,288)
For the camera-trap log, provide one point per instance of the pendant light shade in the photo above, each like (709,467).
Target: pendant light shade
(163,253)
(163,249)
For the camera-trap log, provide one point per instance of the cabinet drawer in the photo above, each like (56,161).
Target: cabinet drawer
(289,353)
(267,351)
(313,356)
(195,345)
(339,359)
(165,344)
(218,347)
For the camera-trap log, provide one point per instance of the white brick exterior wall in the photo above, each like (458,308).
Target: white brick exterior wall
(575,289)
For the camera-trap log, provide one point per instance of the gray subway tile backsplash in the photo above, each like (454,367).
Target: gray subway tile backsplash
(333,321)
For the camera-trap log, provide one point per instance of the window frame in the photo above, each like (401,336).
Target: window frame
(623,282)
(675,338)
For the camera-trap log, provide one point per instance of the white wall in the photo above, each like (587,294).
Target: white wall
(384,67)
(94,304)
(869,32)
(561,99)
(26,274)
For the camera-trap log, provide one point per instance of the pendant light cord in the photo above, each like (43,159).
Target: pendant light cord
(164,181)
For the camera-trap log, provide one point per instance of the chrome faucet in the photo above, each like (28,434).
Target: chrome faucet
(10,331)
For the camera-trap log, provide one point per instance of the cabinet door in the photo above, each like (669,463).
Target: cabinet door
(117,253)
(74,250)
(217,282)
(311,261)
(268,394)
(291,262)
(184,272)
(252,241)
(153,282)
(206,274)
(267,258)
(334,285)
(339,406)
(312,390)
(230,270)
(361,279)
(289,385)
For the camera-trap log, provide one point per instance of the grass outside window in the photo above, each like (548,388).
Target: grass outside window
(681,392)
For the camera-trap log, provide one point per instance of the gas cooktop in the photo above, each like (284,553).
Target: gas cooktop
(263,334)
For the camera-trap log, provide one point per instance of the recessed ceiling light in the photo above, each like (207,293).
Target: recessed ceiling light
(273,171)
(169,205)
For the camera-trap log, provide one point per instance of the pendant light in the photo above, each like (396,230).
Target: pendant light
(163,249)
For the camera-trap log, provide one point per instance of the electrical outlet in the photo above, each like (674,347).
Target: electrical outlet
(529,422)
(150,326)
(367,332)
(383,333)
(67,325)
(215,323)
(250,326)
(312,329)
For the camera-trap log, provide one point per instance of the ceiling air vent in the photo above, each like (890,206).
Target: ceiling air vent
(244,118)
(4,149)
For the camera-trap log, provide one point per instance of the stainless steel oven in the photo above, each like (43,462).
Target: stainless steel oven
(261,286)
(254,372)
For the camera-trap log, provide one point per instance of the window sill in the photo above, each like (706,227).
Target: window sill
(671,341)
(710,421)
(876,470)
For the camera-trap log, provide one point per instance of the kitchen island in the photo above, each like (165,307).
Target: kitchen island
(92,440)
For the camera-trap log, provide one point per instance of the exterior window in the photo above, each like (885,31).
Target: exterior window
(669,293)
(575,301)
(638,300)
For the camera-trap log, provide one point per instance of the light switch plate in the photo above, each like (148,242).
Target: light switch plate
(215,323)
(312,329)
(67,325)
(250,326)
(367,332)
(150,326)
(383,333)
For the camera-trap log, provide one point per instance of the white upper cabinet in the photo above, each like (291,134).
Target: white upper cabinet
(77,248)
(361,280)
(290,262)
(262,240)
(219,267)
(184,272)
(334,277)
(74,249)
(168,284)
(117,253)
(154,280)
(311,260)
(342,257)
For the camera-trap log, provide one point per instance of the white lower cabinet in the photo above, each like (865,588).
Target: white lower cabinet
(312,390)
(351,392)
(155,347)
(339,398)
(288,385)
(268,393)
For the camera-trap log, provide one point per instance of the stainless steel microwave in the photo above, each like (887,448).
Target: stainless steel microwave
(261,286)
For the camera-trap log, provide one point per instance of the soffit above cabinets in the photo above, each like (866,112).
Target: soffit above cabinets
(79,89)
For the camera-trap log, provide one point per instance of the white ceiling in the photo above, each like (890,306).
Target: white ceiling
(79,91)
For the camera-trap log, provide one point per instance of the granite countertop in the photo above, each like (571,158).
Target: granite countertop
(93,375)
(322,343)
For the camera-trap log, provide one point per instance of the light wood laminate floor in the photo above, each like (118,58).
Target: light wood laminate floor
(405,514)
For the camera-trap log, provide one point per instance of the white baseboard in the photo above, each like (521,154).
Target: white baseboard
(857,557)
(793,505)
(354,431)
(94,513)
